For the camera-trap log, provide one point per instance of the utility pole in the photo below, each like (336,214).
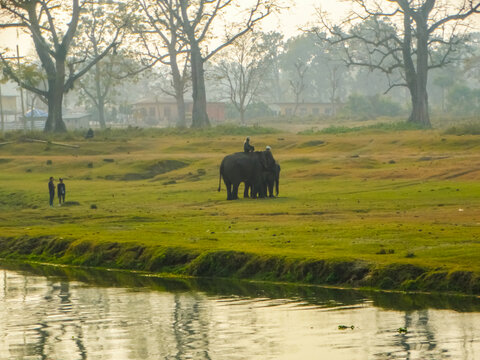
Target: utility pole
(21,97)
(1,111)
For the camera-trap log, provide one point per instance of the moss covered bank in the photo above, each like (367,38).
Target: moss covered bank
(235,264)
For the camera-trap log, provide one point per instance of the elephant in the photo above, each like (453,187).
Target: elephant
(270,179)
(245,167)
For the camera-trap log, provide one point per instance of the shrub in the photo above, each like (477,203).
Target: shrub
(463,100)
(383,126)
(366,107)
(464,129)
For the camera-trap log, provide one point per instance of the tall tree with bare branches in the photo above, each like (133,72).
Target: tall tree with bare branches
(197,19)
(53,26)
(162,41)
(242,70)
(405,37)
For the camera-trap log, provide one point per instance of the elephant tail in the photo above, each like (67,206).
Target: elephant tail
(220,179)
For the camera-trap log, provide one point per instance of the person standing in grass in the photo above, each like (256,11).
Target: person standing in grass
(61,192)
(51,190)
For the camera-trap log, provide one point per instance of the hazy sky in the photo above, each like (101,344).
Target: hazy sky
(300,14)
(288,22)
(303,12)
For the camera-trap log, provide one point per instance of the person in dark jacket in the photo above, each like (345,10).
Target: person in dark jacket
(61,191)
(89,134)
(51,190)
(246,145)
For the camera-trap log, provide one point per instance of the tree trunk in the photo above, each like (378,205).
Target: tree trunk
(297,102)
(54,121)
(334,86)
(242,116)
(418,87)
(56,90)
(420,114)
(199,111)
(333,102)
(181,118)
(101,113)
(178,85)
(100,101)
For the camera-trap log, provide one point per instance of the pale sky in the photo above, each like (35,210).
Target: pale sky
(300,14)
(289,21)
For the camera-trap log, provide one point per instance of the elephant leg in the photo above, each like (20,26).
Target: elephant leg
(261,191)
(254,191)
(258,191)
(235,192)
(245,192)
(270,190)
(229,191)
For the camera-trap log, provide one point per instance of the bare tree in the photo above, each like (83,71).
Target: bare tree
(94,30)
(404,37)
(336,72)
(162,41)
(52,25)
(197,18)
(242,70)
(274,44)
(297,84)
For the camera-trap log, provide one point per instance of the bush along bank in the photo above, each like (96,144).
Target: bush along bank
(232,264)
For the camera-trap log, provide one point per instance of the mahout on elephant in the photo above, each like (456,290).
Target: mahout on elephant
(247,168)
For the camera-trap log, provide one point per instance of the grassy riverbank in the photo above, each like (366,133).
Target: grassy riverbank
(372,207)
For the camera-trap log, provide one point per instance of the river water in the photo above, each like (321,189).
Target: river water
(64,313)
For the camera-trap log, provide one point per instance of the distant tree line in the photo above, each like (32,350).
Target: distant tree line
(387,59)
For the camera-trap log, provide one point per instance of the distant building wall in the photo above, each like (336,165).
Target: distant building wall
(77,121)
(9,104)
(164,112)
(304,109)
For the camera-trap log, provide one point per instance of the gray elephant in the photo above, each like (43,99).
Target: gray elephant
(270,179)
(245,167)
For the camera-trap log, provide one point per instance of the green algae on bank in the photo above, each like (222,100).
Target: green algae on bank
(240,265)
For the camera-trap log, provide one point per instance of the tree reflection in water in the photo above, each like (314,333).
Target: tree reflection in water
(63,313)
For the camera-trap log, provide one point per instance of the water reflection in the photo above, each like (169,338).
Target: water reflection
(64,313)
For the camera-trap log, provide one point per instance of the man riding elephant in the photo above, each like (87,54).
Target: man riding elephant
(247,147)
(245,167)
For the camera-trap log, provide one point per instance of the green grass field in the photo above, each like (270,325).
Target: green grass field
(376,196)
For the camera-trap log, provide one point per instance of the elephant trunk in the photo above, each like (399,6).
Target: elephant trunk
(277,178)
